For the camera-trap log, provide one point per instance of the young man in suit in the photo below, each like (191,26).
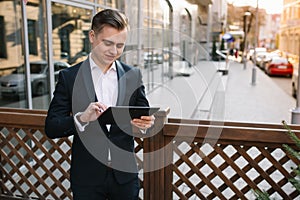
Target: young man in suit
(103,164)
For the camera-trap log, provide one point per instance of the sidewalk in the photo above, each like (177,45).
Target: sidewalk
(207,94)
(263,102)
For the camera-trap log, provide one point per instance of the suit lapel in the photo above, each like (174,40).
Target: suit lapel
(87,80)
(121,83)
(89,86)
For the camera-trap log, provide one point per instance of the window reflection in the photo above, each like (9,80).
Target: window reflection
(70,27)
(3,51)
(12,85)
(32,37)
(70,42)
(70,30)
(11,54)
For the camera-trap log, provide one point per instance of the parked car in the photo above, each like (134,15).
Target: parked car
(257,50)
(80,56)
(266,58)
(279,66)
(153,58)
(13,85)
(260,59)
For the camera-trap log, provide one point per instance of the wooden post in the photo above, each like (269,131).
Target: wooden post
(154,158)
(1,178)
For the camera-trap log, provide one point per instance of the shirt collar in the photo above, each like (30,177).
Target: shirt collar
(94,66)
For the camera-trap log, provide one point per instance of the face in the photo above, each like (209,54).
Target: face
(107,46)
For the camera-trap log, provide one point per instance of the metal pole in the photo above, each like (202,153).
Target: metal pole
(26,55)
(50,47)
(139,34)
(253,82)
(245,41)
(296,111)
(208,29)
(171,26)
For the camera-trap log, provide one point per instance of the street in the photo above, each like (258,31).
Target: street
(284,83)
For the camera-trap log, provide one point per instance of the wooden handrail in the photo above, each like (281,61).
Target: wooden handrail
(175,142)
(232,123)
(272,135)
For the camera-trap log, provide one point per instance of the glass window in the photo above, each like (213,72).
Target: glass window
(32,37)
(100,2)
(70,29)
(12,86)
(3,53)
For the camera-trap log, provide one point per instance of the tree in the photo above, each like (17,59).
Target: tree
(214,54)
(222,45)
(235,17)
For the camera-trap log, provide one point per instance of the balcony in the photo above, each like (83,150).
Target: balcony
(198,159)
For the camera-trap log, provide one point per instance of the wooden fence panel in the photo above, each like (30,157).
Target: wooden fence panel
(31,164)
(191,159)
(230,163)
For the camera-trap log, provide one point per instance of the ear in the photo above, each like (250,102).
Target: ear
(92,36)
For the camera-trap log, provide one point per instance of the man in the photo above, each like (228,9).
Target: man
(103,164)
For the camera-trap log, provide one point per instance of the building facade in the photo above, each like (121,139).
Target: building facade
(290,29)
(56,31)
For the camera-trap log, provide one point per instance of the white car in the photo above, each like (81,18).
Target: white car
(13,85)
(153,58)
(257,50)
(260,58)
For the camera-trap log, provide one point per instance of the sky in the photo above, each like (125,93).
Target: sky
(271,6)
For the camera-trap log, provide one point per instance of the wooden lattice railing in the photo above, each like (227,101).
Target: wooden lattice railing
(31,164)
(200,159)
(231,165)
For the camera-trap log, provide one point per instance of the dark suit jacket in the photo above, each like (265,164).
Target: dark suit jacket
(73,93)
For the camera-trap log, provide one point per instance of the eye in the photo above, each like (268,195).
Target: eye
(107,43)
(119,46)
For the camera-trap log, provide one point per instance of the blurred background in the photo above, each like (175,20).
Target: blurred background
(39,38)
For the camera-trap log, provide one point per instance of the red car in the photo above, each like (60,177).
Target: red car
(279,66)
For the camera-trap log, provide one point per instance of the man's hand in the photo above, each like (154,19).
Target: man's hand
(144,122)
(92,112)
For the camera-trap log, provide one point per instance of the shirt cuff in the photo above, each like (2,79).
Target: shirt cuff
(79,125)
(143,131)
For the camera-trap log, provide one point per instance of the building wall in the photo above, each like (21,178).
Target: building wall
(70,22)
(268,32)
(290,28)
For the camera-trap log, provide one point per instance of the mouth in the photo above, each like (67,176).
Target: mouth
(110,57)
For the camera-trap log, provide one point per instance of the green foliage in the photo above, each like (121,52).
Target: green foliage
(294,181)
(291,134)
(261,195)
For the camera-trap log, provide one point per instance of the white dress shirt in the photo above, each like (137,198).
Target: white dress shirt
(106,89)
(105,84)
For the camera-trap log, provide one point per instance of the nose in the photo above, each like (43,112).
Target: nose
(113,50)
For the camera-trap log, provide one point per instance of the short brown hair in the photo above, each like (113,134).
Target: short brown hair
(109,17)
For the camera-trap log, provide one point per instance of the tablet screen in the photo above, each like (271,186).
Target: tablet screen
(123,114)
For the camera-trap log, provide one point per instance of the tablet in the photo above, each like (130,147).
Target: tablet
(123,114)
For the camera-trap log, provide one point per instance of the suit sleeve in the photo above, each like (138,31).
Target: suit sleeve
(59,121)
(141,99)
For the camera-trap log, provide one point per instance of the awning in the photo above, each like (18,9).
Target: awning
(228,37)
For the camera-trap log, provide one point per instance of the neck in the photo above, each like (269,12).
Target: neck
(103,68)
